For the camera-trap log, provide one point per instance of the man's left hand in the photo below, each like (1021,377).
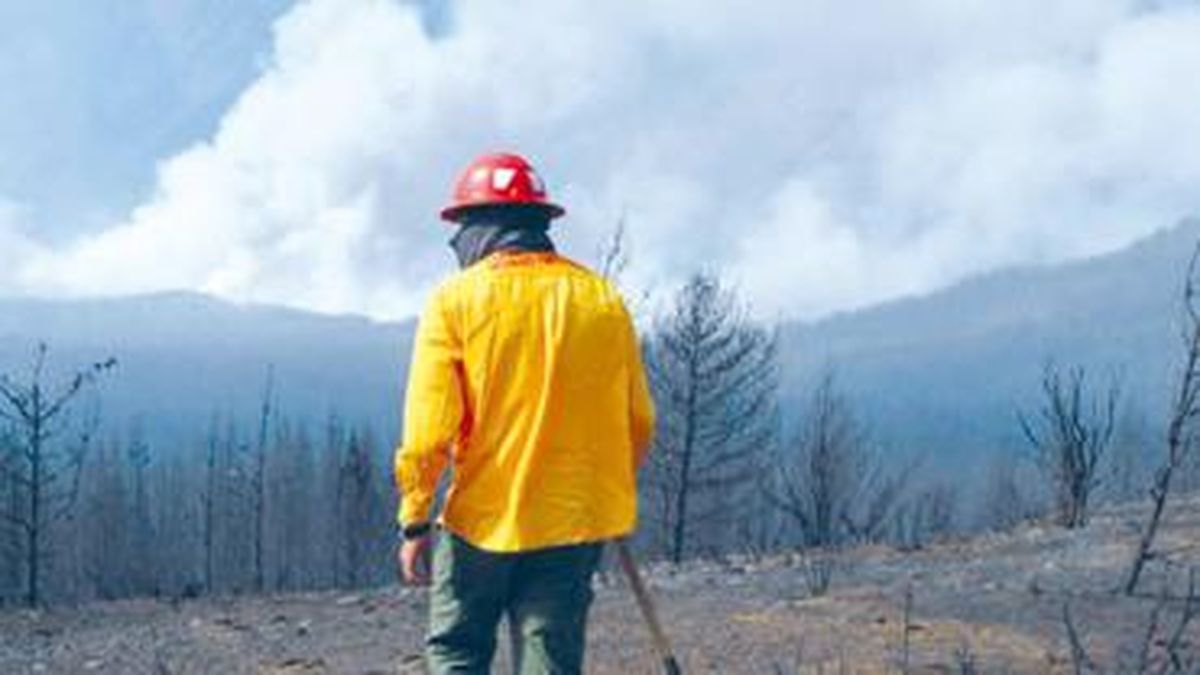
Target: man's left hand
(413,559)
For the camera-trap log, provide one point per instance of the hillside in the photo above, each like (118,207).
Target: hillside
(993,604)
(184,357)
(940,375)
(944,374)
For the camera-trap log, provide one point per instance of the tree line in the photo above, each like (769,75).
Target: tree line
(274,505)
(282,504)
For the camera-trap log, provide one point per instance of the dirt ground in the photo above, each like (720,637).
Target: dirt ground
(993,604)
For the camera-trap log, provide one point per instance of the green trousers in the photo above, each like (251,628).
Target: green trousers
(544,594)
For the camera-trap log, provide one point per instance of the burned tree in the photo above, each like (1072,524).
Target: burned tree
(45,472)
(361,512)
(1181,423)
(614,254)
(1070,432)
(208,503)
(142,535)
(1005,504)
(829,484)
(258,478)
(713,373)
(11,499)
(105,529)
(929,514)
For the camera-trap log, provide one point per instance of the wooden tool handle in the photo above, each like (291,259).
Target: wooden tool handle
(661,645)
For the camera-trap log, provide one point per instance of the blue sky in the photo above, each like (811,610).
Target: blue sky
(98,92)
(822,156)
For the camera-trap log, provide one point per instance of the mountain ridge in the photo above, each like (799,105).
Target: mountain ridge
(941,373)
(947,372)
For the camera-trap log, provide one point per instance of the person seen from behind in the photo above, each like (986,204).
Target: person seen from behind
(526,381)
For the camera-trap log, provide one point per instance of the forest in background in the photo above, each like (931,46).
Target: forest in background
(265,501)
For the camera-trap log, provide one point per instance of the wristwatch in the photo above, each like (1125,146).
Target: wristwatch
(415,530)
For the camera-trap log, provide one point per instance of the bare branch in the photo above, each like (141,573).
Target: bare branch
(1070,433)
(1147,642)
(1191,608)
(1079,656)
(1181,434)
(614,256)
(15,520)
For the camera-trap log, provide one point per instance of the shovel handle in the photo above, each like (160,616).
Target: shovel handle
(642,595)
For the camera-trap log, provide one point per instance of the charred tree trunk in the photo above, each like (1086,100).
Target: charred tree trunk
(685,468)
(259,482)
(33,531)
(712,371)
(51,472)
(1180,428)
(209,506)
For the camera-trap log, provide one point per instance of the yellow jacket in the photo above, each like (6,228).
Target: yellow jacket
(526,373)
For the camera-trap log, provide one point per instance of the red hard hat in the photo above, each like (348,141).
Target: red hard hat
(496,179)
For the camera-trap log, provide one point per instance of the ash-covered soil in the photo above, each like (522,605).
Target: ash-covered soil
(991,604)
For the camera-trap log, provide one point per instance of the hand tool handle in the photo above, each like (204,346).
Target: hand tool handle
(647,606)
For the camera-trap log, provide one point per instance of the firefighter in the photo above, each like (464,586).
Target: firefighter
(527,379)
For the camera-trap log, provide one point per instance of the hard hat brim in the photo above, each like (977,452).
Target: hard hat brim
(454,214)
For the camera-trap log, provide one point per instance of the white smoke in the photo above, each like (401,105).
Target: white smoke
(822,155)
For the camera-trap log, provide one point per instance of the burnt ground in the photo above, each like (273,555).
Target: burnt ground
(990,604)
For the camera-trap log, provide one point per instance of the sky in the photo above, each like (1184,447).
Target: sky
(820,155)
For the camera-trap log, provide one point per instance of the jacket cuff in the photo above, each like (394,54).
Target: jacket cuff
(413,510)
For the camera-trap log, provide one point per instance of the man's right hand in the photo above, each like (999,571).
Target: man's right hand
(413,559)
